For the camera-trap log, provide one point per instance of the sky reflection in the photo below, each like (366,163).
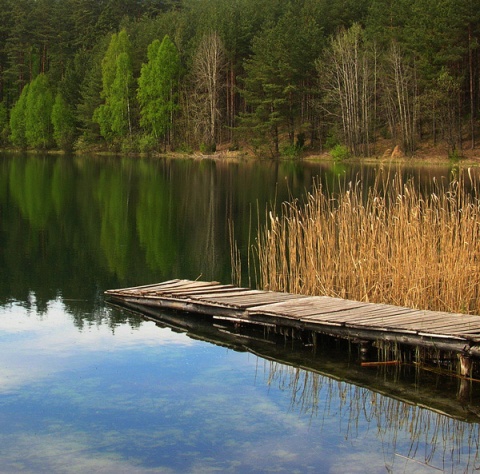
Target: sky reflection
(148,399)
(35,346)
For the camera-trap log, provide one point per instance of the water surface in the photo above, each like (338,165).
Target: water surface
(85,387)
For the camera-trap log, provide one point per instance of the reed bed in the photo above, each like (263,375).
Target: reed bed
(391,243)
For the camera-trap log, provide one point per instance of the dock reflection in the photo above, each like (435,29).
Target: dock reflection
(336,360)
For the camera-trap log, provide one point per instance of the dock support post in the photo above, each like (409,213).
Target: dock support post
(465,365)
(314,342)
(365,348)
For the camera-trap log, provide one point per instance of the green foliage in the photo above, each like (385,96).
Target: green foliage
(114,115)
(277,74)
(147,144)
(63,123)
(4,125)
(87,67)
(340,152)
(454,155)
(208,148)
(331,140)
(185,148)
(38,113)
(120,97)
(267,89)
(128,145)
(17,120)
(119,44)
(291,151)
(158,86)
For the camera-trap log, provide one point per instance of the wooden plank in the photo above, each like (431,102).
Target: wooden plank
(431,326)
(367,310)
(290,306)
(438,325)
(357,315)
(165,285)
(230,294)
(194,293)
(411,318)
(254,300)
(181,288)
(139,288)
(153,289)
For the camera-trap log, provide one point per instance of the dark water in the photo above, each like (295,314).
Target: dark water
(85,387)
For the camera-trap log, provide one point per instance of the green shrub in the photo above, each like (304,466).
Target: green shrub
(147,144)
(128,145)
(340,152)
(290,151)
(454,155)
(207,148)
(331,141)
(184,148)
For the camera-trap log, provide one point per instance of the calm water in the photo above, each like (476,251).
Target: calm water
(88,388)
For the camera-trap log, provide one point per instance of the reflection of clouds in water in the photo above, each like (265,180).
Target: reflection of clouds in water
(55,328)
(66,452)
(36,346)
(214,408)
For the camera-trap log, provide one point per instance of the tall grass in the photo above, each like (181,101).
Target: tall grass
(391,243)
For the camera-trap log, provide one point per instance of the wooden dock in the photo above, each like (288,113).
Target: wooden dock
(336,317)
(329,361)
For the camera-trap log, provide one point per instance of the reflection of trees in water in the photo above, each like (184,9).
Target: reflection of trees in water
(74,226)
(407,431)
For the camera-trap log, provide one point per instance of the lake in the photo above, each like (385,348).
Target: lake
(87,387)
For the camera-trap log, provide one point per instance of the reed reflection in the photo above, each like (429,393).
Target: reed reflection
(409,433)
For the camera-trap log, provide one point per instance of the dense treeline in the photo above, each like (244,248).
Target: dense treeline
(277,76)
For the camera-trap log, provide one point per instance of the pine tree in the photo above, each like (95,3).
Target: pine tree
(63,123)
(277,77)
(3,123)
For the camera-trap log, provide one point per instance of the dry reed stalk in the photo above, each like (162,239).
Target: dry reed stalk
(235,257)
(389,244)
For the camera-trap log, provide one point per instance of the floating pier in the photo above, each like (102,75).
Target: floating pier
(360,322)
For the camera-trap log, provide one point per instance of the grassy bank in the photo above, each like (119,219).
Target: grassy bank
(391,243)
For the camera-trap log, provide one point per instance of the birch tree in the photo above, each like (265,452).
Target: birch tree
(114,115)
(208,68)
(17,120)
(158,89)
(38,113)
(348,78)
(399,87)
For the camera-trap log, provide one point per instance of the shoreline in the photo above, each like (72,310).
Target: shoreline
(435,156)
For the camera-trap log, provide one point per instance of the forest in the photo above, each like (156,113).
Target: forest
(269,77)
